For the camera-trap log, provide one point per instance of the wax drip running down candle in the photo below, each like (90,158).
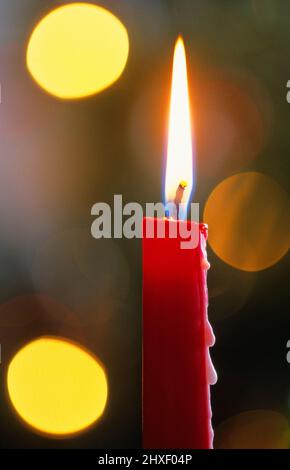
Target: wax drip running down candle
(209,334)
(177,368)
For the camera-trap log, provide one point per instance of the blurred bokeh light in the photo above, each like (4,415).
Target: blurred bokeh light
(258,429)
(56,386)
(248,217)
(77,50)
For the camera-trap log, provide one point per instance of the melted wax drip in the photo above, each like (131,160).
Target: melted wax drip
(209,334)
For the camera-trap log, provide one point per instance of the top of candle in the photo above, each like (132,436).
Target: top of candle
(179,167)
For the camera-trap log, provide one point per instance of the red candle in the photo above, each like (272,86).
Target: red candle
(177,370)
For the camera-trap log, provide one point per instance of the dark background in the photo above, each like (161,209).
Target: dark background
(58,158)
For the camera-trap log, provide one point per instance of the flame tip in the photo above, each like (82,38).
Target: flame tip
(179,41)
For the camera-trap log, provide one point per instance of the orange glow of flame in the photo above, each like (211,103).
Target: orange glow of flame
(179,167)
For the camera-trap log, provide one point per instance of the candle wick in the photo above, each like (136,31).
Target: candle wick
(179,196)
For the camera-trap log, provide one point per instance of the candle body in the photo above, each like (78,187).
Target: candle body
(176,337)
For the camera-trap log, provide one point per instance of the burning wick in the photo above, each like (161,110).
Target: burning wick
(179,192)
(179,196)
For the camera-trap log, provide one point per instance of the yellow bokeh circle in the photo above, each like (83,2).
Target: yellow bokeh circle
(57,387)
(257,429)
(249,221)
(77,50)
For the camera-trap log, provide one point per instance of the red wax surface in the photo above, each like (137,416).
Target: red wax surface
(176,399)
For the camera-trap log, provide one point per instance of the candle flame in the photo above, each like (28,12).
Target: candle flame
(179,168)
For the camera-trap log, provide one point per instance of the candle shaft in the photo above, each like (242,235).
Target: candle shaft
(176,400)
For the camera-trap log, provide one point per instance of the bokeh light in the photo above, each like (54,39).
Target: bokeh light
(77,50)
(248,217)
(56,387)
(258,429)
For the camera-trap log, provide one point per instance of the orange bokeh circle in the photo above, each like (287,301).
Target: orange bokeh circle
(249,221)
